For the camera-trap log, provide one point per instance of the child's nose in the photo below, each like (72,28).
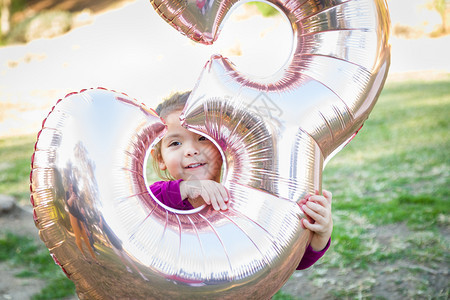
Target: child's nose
(191,151)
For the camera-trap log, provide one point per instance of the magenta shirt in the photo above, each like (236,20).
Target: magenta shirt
(168,192)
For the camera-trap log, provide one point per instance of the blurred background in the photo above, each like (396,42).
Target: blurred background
(49,48)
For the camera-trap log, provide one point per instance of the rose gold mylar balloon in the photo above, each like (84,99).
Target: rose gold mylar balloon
(88,187)
(277,133)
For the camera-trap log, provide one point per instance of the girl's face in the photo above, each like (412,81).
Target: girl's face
(187,155)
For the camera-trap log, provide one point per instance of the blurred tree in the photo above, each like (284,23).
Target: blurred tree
(265,9)
(440,7)
(5,13)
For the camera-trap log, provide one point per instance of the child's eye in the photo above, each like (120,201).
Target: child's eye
(173,144)
(202,138)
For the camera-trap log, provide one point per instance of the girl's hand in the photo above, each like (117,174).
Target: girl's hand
(320,222)
(212,193)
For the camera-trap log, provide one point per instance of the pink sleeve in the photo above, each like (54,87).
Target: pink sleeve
(168,193)
(310,257)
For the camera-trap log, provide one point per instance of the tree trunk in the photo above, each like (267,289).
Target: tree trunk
(444,22)
(4,18)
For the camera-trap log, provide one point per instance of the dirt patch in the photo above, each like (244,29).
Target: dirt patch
(97,6)
(12,287)
(429,75)
(73,6)
(20,222)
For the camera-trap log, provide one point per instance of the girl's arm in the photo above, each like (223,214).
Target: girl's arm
(212,193)
(168,193)
(310,256)
(318,212)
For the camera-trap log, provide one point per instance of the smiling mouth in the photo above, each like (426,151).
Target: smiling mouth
(192,166)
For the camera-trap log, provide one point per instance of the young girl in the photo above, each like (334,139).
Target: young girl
(191,166)
(189,162)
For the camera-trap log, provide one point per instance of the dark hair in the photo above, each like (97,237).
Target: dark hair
(174,102)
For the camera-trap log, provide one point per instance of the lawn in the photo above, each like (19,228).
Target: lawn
(391,213)
(390,190)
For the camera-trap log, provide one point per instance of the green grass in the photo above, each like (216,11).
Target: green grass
(35,261)
(282,296)
(399,163)
(265,9)
(394,174)
(15,155)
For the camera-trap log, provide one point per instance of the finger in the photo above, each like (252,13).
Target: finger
(221,201)
(317,225)
(306,216)
(222,196)
(206,197)
(215,204)
(312,226)
(323,211)
(319,206)
(328,195)
(219,194)
(223,192)
(312,214)
(212,193)
(216,197)
(319,200)
(307,224)
(222,204)
(301,223)
(303,200)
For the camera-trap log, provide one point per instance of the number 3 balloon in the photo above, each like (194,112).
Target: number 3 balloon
(88,187)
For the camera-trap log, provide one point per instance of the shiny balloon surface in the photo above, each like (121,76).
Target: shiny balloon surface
(88,186)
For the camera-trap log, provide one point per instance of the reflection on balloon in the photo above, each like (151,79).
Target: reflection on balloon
(89,190)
